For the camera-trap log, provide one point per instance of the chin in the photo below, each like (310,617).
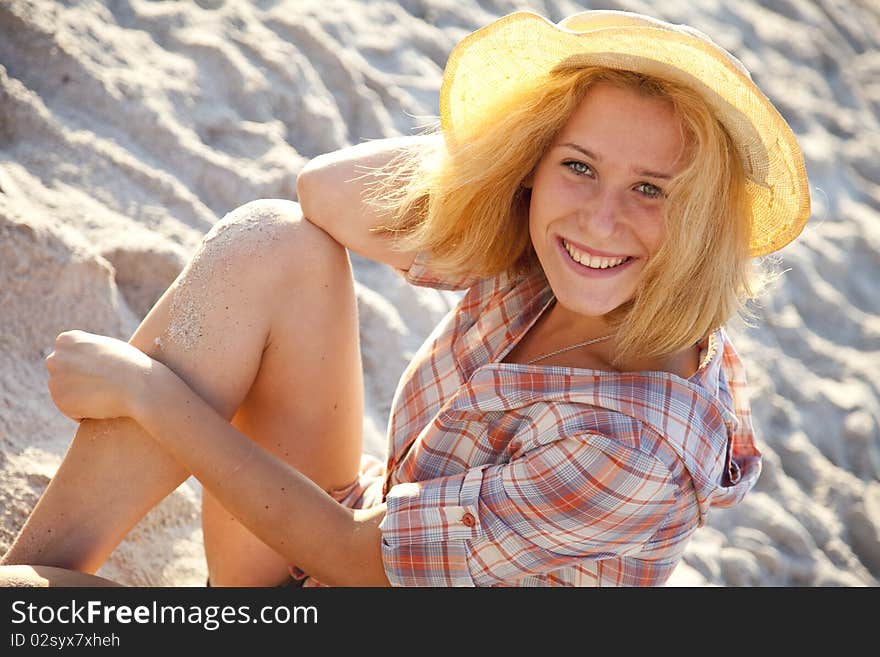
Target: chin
(592,293)
(586,307)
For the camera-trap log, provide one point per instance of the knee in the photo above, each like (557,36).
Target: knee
(254,228)
(273,232)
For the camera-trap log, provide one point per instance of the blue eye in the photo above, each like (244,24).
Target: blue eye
(649,190)
(578,168)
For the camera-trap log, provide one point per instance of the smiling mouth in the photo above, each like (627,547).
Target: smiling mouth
(592,261)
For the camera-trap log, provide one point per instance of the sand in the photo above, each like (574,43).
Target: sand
(129,129)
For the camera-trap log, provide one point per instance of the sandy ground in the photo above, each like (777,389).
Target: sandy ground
(128,128)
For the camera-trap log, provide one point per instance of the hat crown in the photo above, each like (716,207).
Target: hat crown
(599,19)
(596,19)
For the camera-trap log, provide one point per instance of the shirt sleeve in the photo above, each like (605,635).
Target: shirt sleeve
(582,497)
(421,273)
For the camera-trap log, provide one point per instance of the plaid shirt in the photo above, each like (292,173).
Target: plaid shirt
(504,474)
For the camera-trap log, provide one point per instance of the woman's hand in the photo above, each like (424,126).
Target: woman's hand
(93,376)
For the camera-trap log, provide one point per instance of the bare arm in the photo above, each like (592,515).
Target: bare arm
(281,506)
(101,377)
(330,190)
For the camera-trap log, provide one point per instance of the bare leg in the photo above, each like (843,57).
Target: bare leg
(263,325)
(47,577)
(306,404)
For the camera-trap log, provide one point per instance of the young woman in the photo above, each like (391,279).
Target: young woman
(602,189)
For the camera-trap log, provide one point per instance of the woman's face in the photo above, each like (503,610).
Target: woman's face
(596,211)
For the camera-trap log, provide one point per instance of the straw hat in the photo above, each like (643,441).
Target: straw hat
(519,49)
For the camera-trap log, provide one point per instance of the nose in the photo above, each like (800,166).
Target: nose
(599,217)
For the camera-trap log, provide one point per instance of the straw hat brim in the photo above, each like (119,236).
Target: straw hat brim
(491,64)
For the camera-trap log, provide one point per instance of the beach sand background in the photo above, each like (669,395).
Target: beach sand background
(128,128)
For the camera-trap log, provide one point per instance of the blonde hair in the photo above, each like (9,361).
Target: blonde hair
(465,204)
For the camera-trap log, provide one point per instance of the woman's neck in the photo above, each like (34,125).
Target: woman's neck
(564,325)
(559,327)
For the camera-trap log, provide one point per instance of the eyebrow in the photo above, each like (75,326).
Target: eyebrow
(641,172)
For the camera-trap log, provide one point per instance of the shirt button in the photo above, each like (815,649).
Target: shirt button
(468,520)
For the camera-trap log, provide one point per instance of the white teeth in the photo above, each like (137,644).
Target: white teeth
(593,262)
